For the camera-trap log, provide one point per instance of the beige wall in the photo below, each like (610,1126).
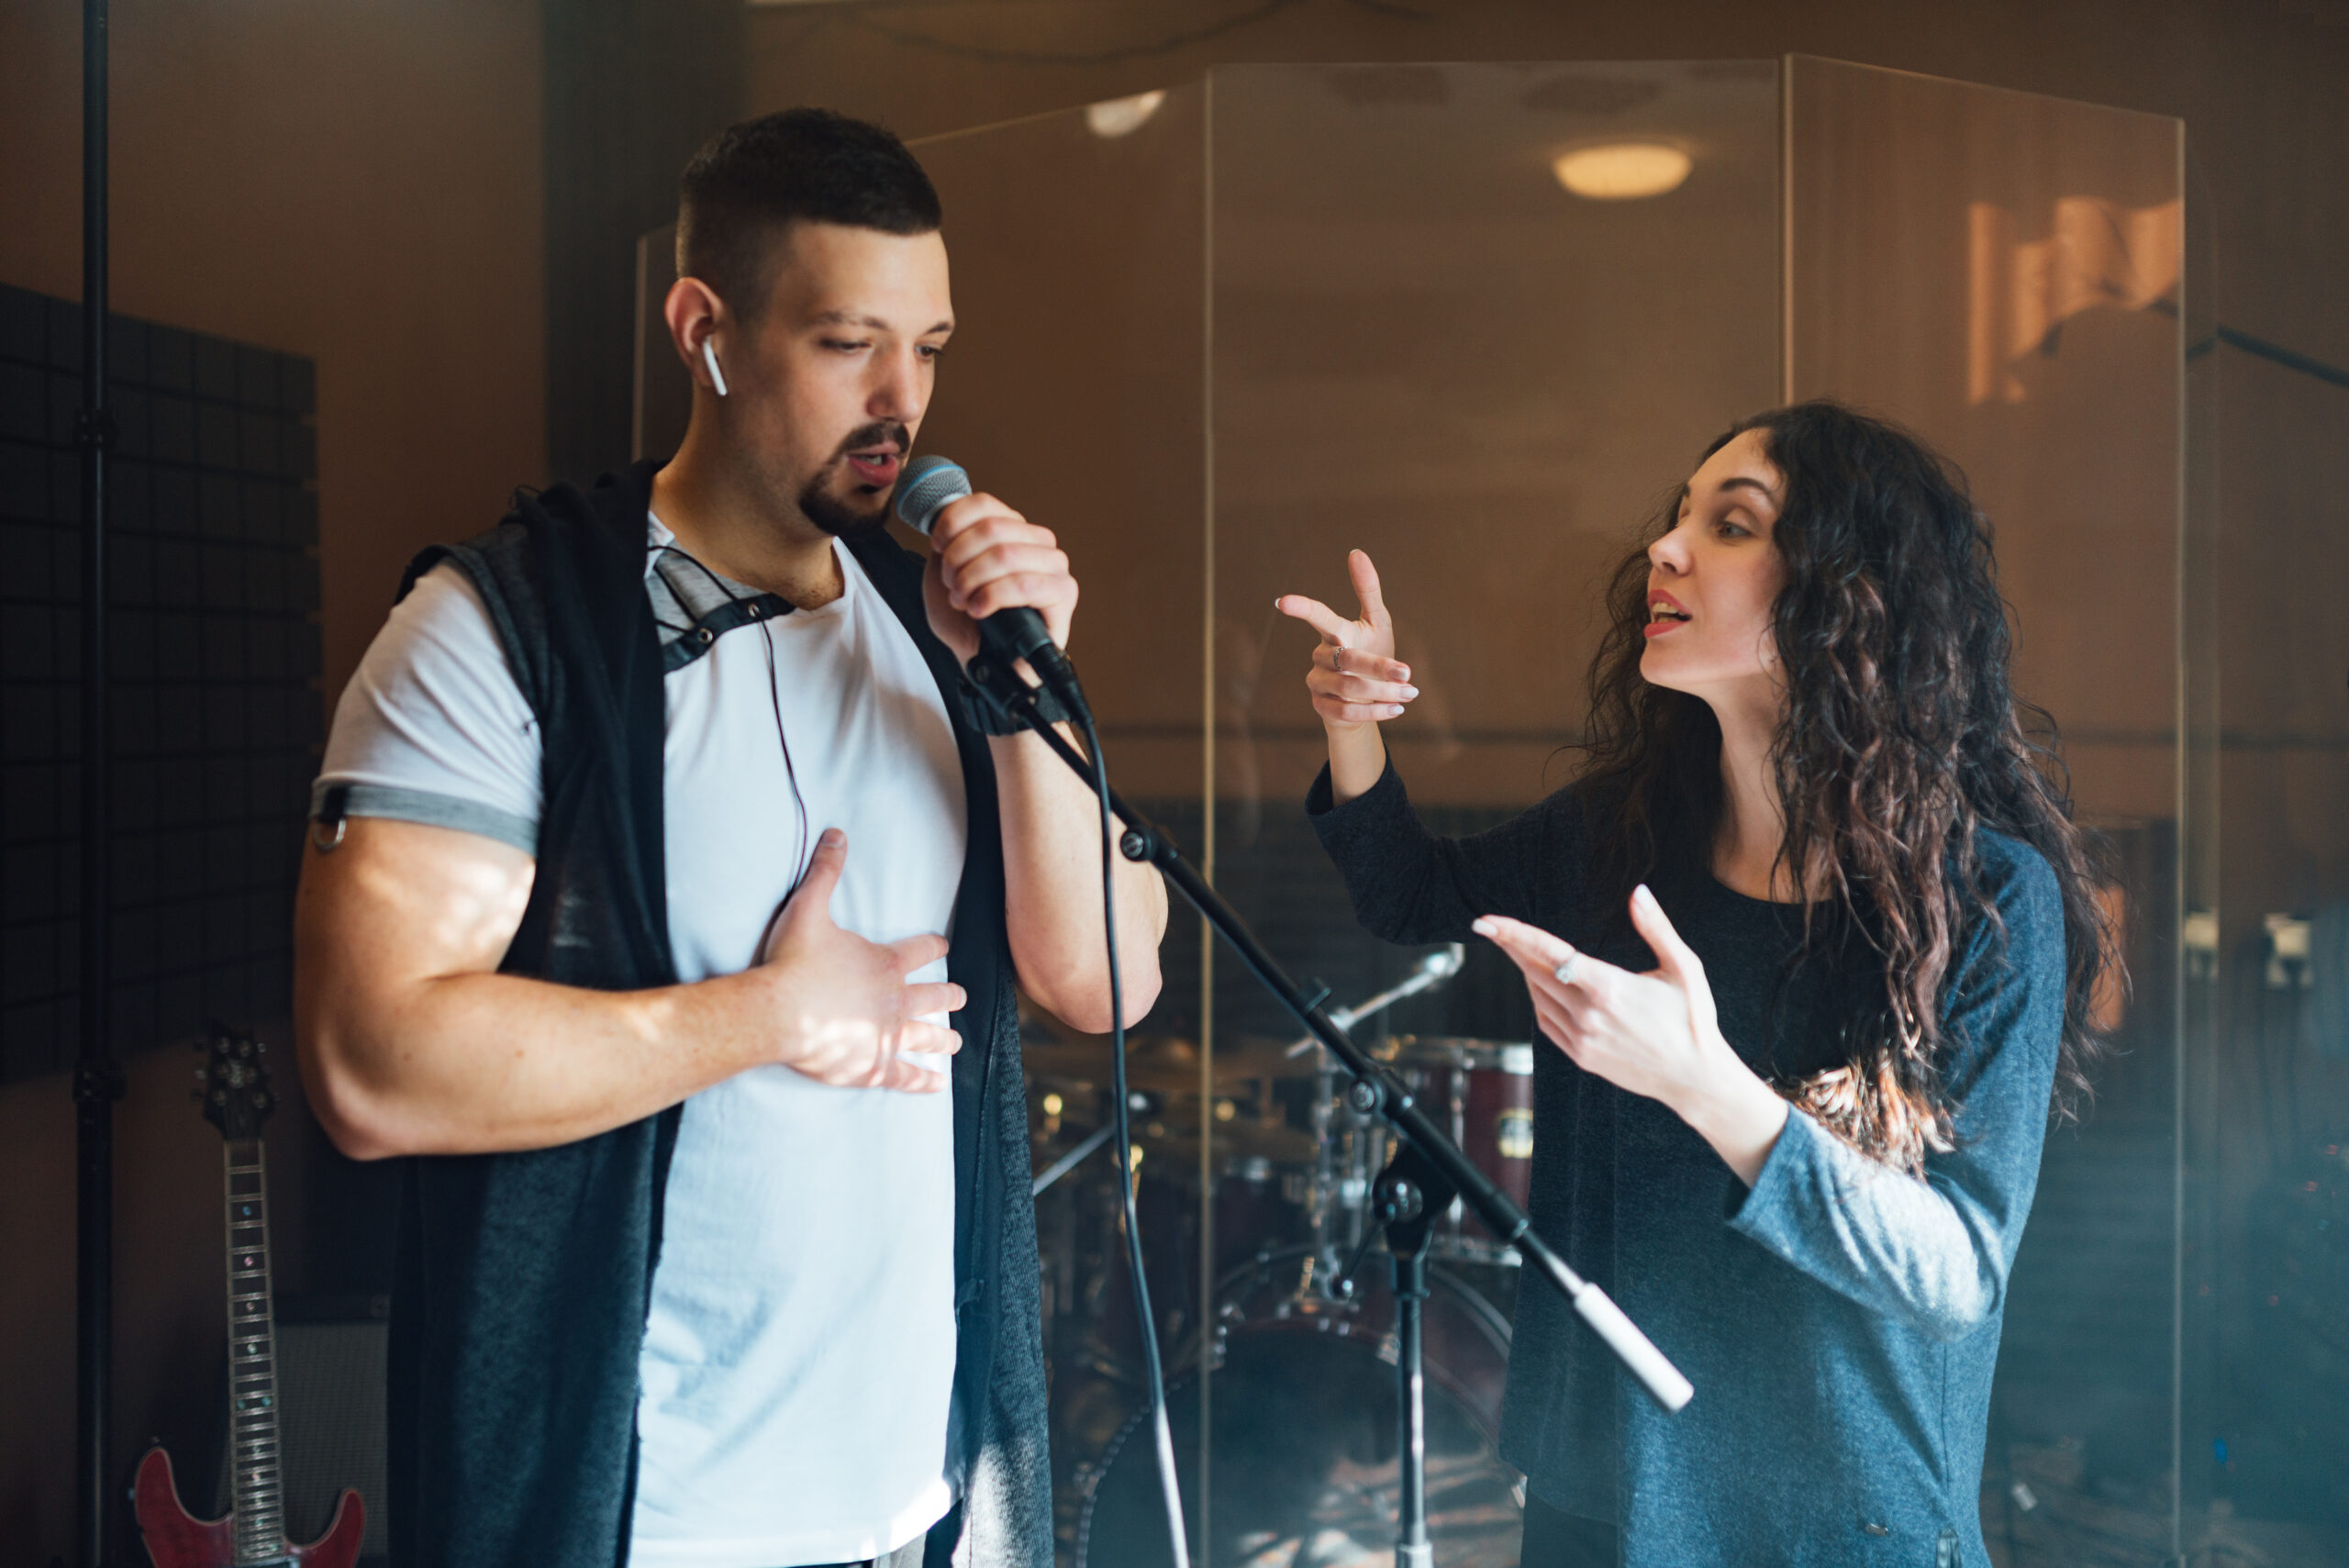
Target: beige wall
(357,184)
(2258,85)
(360,184)
(2257,81)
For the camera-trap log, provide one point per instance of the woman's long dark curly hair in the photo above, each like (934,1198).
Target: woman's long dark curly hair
(1901,740)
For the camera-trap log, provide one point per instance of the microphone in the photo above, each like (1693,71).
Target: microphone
(925,489)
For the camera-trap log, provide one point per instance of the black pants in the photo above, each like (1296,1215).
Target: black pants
(1553,1540)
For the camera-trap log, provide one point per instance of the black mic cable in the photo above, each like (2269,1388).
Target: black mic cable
(925,488)
(1153,1375)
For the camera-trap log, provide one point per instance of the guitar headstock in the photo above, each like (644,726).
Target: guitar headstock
(232,1083)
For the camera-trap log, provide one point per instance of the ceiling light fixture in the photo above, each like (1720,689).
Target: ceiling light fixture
(1122,117)
(1623,171)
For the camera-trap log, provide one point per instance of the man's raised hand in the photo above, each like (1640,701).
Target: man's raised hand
(847,1009)
(984,557)
(1355,678)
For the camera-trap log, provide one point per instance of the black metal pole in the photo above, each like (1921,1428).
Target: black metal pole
(1408,1197)
(97,1079)
(1412,1546)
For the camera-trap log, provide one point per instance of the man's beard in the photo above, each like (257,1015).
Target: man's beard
(835,517)
(838,516)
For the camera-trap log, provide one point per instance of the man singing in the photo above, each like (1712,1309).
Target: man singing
(666,898)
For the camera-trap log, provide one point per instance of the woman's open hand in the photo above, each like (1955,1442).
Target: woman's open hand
(1655,1034)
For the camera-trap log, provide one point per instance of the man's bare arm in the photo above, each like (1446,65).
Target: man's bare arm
(1052,868)
(985,558)
(411,1043)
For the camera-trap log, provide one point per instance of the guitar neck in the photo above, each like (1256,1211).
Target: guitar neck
(257,1487)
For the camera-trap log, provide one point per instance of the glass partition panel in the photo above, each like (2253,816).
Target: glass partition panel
(1218,337)
(2002,273)
(1427,348)
(1073,389)
(2266,1262)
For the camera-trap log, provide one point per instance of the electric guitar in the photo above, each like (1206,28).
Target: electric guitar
(237,1099)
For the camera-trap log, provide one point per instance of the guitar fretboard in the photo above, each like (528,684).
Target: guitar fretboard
(256,1489)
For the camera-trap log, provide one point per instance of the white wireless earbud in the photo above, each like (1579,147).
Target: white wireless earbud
(709,357)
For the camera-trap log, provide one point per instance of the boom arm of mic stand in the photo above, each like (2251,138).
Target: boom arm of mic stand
(1375,1089)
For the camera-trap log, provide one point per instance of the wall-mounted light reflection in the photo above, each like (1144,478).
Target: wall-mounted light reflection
(1122,117)
(2094,253)
(1623,171)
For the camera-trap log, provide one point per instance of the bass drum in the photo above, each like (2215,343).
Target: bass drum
(1302,1397)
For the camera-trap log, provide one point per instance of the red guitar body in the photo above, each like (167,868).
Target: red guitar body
(177,1539)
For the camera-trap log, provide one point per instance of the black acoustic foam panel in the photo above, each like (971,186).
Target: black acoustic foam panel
(214,656)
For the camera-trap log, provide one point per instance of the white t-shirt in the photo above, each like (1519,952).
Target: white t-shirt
(797,1367)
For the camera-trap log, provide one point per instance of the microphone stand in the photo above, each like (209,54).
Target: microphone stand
(1409,1194)
(1435,1164)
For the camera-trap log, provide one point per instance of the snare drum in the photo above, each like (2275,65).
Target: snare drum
(1483,1092)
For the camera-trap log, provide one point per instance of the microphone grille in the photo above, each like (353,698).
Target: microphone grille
(925,488)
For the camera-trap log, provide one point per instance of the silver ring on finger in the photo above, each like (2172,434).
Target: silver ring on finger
(1566,971)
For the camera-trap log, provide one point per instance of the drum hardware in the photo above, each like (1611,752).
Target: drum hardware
(1485,1091)
(1054,1104)
(1337,1200)
(1305,1426)
(1340,1284)
(1433,970)
(1072,1159)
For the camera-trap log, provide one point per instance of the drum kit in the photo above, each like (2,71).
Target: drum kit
(1271,1241)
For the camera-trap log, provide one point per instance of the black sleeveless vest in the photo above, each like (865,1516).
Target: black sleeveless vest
(522,1280)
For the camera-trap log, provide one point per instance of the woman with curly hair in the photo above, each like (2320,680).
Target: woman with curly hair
(1815,938)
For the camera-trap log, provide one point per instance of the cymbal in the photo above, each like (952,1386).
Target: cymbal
(1162,1065)
(1238,1139)
(1510,1056)
(1159,1065)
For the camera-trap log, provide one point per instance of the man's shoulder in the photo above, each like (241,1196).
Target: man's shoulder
(603,525)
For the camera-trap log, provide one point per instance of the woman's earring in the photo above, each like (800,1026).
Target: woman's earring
(709,357)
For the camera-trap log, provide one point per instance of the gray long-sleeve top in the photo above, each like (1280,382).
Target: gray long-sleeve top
(1840,1319)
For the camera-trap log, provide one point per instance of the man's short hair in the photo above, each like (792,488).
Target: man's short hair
(751,182)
